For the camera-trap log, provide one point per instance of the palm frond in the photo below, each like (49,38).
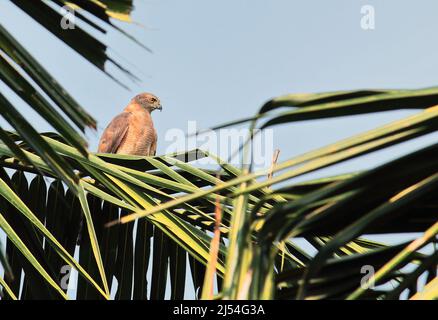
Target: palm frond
(28,79)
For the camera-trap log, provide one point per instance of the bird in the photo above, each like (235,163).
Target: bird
(132,132)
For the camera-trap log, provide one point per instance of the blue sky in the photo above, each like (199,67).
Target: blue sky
(213,62)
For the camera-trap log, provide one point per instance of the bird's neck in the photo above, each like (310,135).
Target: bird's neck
(138,109)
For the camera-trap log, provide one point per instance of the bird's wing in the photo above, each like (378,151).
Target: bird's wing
(114,135)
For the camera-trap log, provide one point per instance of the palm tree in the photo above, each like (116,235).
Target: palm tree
(139,219)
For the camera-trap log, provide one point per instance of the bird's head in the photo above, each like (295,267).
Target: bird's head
(148,101)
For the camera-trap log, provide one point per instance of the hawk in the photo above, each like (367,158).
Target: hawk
(132,132)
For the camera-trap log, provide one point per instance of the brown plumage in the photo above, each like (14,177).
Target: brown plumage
(132,131)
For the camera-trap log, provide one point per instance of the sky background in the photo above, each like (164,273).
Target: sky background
(216,61)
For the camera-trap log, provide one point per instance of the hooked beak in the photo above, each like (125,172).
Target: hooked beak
(159,107)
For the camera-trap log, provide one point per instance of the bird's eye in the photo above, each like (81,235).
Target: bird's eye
(153,100)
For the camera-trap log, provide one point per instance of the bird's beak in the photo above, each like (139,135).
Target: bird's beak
(159,107)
